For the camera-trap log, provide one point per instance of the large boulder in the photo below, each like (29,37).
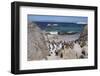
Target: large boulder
(84,33)
(37,48)
(84,36)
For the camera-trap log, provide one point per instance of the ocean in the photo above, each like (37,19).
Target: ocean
(60,26)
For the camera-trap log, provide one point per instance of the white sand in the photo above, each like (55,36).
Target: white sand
(66,38)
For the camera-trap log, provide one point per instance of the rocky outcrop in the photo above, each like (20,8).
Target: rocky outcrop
(83,39)
(37,48)
(84,34)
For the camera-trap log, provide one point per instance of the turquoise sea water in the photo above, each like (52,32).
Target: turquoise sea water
(61,26)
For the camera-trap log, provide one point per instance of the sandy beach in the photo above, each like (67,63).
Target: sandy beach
(65,38)
(68,53)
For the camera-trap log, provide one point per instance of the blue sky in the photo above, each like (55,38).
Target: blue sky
(48,18)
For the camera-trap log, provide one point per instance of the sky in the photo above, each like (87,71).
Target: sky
(48,18)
